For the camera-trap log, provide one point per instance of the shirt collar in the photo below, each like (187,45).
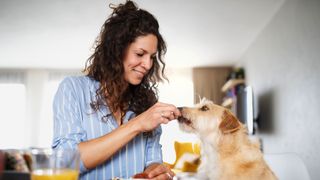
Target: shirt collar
(105,110)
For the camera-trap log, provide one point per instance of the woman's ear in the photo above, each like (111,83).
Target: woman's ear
(229,123)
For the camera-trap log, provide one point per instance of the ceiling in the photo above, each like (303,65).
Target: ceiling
(60,33)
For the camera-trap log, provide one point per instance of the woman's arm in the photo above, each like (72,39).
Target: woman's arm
(96,151)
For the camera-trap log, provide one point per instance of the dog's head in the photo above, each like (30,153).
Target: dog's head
(207,117)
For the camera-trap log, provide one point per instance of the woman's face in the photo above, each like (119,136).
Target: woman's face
(138,59)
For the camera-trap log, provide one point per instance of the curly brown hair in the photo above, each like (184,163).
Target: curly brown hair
(124,25)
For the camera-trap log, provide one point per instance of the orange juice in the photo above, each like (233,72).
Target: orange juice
(59,174)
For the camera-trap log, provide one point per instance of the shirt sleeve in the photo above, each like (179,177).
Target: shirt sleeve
(68,131)
(154,148)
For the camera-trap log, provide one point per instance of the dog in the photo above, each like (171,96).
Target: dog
(227,153)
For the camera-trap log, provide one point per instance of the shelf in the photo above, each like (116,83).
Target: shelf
(231,83)
(227,102)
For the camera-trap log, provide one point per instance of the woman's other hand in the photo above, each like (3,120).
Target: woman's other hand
(158,172)
(159,113)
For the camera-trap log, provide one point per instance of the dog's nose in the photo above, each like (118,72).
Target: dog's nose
(180,108)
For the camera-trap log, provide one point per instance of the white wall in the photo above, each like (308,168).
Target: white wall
(178,91)
(283,65)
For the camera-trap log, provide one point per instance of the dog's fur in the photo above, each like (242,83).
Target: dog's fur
(226,150)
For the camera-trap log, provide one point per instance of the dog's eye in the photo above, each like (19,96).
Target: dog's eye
(204,108)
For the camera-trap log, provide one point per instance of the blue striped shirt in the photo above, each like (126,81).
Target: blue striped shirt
(75,121)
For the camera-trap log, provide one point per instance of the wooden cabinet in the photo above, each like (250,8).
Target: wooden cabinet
(208,82)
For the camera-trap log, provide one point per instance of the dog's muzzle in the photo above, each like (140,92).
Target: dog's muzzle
(182,119)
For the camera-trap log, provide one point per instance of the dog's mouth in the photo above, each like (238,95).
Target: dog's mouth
(182,119)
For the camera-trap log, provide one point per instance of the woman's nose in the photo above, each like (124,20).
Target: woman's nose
(147,63)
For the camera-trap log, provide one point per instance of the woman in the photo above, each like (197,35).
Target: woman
(111,115)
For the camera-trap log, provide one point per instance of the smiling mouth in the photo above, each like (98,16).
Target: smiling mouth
(184,120)
(140,72)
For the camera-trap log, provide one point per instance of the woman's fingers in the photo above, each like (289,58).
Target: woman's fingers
(159,113)
(167,110)
(168,115)
(160,172)
(165,176)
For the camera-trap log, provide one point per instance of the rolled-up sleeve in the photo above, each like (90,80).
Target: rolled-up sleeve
(68,131)
(154,148)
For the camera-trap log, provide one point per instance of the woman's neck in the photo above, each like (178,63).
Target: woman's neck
(117,114)
(118,117)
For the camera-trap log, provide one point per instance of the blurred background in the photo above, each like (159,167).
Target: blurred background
(272,47)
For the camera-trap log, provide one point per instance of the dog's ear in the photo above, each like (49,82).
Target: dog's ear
(229,123)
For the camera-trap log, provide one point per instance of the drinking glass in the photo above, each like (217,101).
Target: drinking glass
(49,164)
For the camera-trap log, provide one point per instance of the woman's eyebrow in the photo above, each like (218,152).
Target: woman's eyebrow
(145,51)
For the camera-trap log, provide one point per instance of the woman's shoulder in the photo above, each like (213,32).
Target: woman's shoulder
(80,81)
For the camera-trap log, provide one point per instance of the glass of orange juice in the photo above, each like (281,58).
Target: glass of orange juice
(49,164)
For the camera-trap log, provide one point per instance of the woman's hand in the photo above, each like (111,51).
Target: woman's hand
(159,113)
(158,172)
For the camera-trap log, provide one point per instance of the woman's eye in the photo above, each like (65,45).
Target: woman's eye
(140,55)
(204,108)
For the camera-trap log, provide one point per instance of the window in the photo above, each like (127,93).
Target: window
(45,132)
(13,131)
(179,91)
(45,123)
(26,97)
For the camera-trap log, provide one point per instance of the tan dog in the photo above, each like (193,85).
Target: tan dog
(226,150)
